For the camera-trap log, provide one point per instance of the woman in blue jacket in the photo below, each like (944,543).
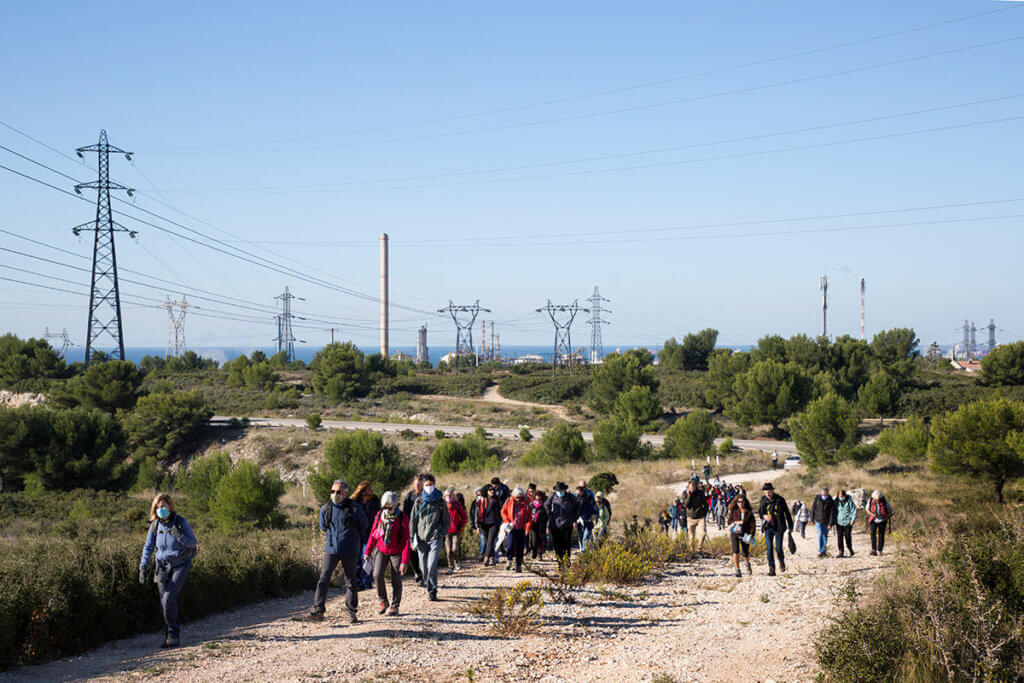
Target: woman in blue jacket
(175,544)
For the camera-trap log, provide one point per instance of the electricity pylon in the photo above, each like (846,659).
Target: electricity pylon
(596,343)
(562,317)
(464,317)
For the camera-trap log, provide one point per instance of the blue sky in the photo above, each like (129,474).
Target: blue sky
(488,140)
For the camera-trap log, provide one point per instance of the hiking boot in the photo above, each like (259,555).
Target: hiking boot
(821,555)
(851,553)
(771,571)
(750,572)
(519,570)
(170,641)
(393,611)
(432,596)
(508,566)
(315,616)
(782,566)
(840,555)
(739,574)
(383,607)
(352,618)
(873,553)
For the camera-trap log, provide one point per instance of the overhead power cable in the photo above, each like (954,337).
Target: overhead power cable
(613,90)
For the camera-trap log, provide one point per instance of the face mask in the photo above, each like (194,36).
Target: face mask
(428,489)
(336,497)
(163,513)
(560,494)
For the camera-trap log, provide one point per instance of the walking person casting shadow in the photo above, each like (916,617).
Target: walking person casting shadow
(344,524)
(174,543)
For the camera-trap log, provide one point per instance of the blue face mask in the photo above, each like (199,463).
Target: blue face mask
(163,513)
(559,493)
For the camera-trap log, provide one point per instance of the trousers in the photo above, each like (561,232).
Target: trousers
(169,593)
(380,564)
(844,533)
(349,565)
(430,556)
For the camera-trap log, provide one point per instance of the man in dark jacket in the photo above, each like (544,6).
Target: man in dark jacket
(776,520)
(501,491)
(695,503)
(823,514)
(428,526)
(563,509)
(588,513)
(344,524)
(410,500)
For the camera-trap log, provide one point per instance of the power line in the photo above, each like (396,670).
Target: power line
(615,90)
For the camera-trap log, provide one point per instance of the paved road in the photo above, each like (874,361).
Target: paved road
(783,447)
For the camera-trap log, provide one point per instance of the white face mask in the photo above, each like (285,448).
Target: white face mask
(336,497)
(428,489)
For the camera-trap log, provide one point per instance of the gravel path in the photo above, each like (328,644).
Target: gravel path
(696,623)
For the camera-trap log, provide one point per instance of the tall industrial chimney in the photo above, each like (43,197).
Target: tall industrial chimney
(862,309)
(384,294)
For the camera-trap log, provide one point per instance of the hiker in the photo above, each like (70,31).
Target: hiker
(674,511)
(563,509)
(453,539)
(776,520)
(428,526)
(741,531)
(721,510)
(410,500)
(696,506)
(707,473)
(175,544)
(516,513)
(501,491)
(588,513)
(803,515)
(823,514)
(879,514)
(388,545)
(538,535)
(604,517)
(775,460)
(489,516)
(371,503)
(344,524)
(665,519)
(846,515)
(474,519)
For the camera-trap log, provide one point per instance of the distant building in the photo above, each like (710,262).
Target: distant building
(400,356)
(527,359)
(966,365)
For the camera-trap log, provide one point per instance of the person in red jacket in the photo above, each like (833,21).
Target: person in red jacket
(453,539)
(389,544)
(516,512)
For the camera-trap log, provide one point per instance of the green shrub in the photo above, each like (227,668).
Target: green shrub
(561,445)
(199,480)
(692,436)
(439,434)
(64,596)
(22,361)
(638,404)
(472,454)
(313,421)
(357,456)
(543,387)
(167,426)
(865,644)
(340,372)
(524,435)
(468,384)
(826,432)
(511,611)
(448,457)
(603,481)
(110,386)
(245,498)
(682,389)
(618,438)
(726,447)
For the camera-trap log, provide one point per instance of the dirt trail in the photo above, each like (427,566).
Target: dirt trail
(491,395)
(698,622)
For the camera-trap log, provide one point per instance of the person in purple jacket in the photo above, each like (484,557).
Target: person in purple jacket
(174,544)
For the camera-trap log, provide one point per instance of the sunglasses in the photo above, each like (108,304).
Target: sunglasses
(335,490)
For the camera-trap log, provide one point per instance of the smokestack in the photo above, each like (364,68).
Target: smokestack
(862,309)
(384,294)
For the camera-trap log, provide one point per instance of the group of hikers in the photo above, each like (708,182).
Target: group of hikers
(727,505)
(366,535)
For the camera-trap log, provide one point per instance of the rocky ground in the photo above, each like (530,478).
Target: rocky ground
(696,623)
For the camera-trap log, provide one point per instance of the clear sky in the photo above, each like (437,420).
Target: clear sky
(516,152)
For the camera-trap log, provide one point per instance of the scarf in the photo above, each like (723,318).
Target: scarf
(387,519)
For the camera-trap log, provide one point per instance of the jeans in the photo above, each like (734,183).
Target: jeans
(844,533)
(878,536)
(430,555)
(516,545)
(802,528)
(775,540)
(586,534)
(561,540)
(169,598)
(483,540)
(349,565)
(675,524)
(490,532)
(380,565)
(822,537)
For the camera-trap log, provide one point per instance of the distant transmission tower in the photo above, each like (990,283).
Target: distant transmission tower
(862,337)
(175,327)
(104,292)
(63,338)
(464,317)
(974,342)
(562,317)
(824,306)
(991,327)
(966,343)
(285,337)
(596,343)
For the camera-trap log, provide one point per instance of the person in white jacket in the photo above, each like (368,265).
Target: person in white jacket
(803,515)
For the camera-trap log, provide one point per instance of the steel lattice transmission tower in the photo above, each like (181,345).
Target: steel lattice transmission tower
(175,327)
(562,317)
(824,306)
(63,338)
(285,337)
(104,291)
(464,318)
(596,343)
